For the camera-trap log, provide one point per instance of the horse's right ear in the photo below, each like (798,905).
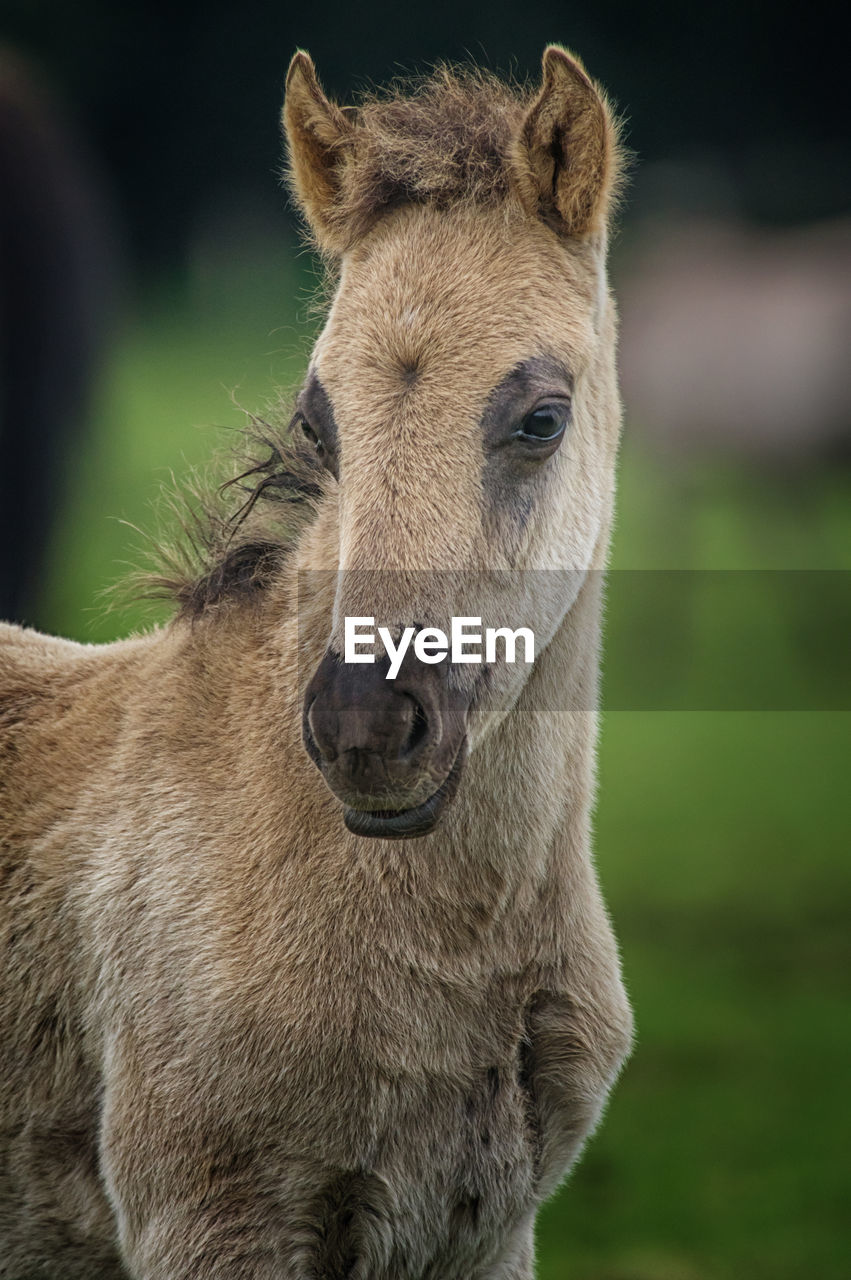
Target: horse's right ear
(319,141)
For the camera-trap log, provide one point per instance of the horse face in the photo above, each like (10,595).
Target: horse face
(462,393)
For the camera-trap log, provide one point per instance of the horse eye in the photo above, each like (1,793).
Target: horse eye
(311,435)
(544,425)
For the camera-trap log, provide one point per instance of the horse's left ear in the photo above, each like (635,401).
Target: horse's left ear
(566,155)
(320,137)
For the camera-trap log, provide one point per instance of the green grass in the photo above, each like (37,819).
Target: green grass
(723,852)
(182,371)
(722,837)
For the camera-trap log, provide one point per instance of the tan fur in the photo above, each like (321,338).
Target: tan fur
(566,154)
(236,1040)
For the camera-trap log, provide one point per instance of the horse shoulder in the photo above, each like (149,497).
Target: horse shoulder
(60,712)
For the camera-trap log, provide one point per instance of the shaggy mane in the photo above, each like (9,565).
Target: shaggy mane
(235,536)
(441,139)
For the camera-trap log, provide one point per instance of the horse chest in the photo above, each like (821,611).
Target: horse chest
(407,1143)
(434,1190)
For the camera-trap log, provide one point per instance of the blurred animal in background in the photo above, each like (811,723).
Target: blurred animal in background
(56,278)
(735,340)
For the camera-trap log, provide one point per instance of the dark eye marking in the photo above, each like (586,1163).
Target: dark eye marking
(530,409)
(315,419)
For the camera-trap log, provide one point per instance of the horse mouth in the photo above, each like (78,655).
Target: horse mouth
(408,824)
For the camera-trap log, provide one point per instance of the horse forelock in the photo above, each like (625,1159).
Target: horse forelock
(441,139)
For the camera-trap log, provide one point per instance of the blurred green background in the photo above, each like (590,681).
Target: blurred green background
(722,837)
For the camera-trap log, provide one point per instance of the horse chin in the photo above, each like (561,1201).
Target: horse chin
(408,824)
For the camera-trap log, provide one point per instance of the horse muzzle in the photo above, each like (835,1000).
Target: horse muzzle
(391,751)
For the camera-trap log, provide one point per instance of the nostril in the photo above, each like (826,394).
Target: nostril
(418,731)
(324,747)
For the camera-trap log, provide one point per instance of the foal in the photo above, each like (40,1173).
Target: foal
(307,971)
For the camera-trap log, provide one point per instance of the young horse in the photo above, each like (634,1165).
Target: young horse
(247,1028)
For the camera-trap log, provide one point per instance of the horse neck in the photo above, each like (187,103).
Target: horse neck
(513,854)
(530,782)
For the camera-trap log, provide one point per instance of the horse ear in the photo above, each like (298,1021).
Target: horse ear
(566,153)
(319,138)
